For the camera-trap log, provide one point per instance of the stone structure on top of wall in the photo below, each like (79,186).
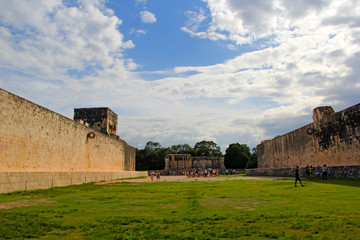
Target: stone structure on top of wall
(322,112)
(40,148)
(332,139)
(187,162)
(102,119)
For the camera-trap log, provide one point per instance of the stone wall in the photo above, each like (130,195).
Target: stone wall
(350,172)
(130,158)
(208,162)
(186,162)
(333,140)
(101,119)
(22,181)
(35,139)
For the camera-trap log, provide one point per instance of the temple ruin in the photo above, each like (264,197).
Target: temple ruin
(187,162)
(101,119)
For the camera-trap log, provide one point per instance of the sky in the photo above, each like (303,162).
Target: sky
(181,72)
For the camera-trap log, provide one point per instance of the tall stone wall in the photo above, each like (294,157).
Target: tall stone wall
(130,160)
(35,139)
(333,140)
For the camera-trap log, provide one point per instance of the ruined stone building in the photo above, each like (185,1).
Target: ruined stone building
(186,162)
(332,139)
(40,148)
(101,119)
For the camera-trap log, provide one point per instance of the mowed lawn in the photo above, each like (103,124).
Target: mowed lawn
(241,209)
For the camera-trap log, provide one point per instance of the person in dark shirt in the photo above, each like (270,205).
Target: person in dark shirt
(325,170)
(297,176)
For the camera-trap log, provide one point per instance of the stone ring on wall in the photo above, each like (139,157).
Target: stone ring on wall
(91,135)
(310,131)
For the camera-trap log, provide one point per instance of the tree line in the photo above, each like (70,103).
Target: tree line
(237,155)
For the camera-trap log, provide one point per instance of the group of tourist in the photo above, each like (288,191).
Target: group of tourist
(202,173)
(310,170)
(309,173)
(157,174)
(189,173)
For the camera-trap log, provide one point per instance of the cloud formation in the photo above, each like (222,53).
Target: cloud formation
(53,39)
(304,54)
(147,17)
(73,54)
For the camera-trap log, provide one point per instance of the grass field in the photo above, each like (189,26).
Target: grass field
(243,209)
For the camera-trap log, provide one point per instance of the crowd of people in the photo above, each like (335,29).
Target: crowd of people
(309,173)
(189,173)
(310,170)
(202,173)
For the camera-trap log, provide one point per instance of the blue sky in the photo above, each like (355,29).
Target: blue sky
(185,71)
(162,40)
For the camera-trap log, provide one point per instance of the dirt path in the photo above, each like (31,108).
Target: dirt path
(25,203)
(186,179)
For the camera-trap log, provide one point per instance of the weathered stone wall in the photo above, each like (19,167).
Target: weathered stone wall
(21,181)
(350,172)
(130,159)
(101,119)
(35,139)
(178,161)
(208,162)
(334,140)
(186,161)
(41,149)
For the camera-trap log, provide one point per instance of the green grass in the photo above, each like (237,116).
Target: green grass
(241,209)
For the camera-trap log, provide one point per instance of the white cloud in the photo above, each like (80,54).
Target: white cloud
(141,1)
(56,38)
(147,17)
(247,21)
(73,56)
(137,31)
(310,50)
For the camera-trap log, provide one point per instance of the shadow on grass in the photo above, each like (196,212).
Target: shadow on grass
(337,181)
(330,180)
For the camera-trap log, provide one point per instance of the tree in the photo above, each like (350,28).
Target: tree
(207,148)
(237,156)
(152,146)
(141,163)
(253,159)
(152,157)
(182,149)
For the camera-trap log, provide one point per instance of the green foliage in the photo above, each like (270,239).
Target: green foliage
(182,149)
(152,157)
(253,159)
(237,156)
(207,148)
(238,209)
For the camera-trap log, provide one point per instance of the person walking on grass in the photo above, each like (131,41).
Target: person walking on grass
(157,176)
(318,171)
(297,176)
(152,176)
(325,170)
